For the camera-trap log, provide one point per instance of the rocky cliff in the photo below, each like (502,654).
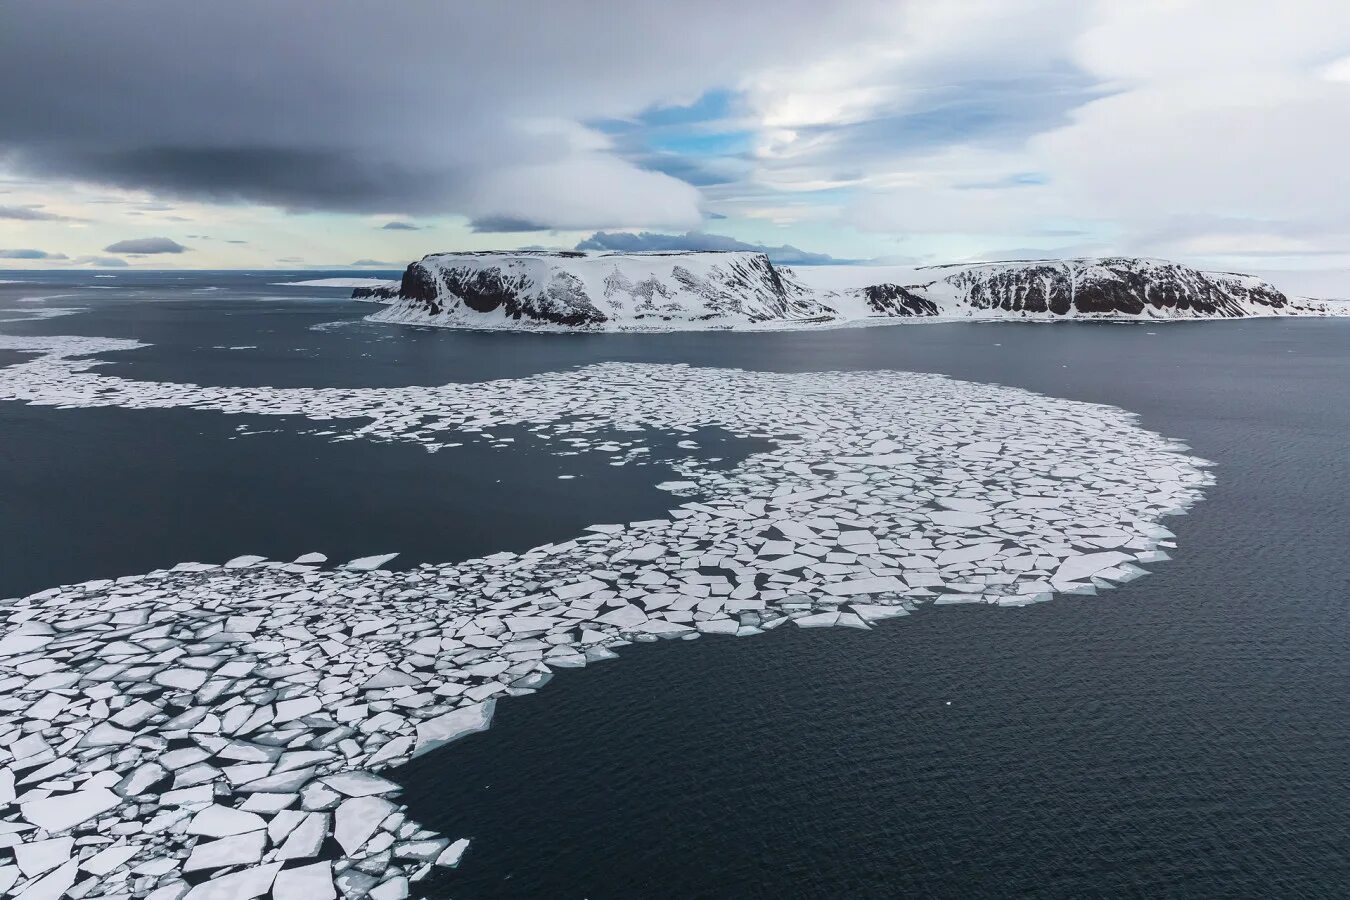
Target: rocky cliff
(692,290)
(598,291)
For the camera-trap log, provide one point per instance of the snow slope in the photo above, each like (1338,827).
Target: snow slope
(1113,287)
(608,291)
(696,290)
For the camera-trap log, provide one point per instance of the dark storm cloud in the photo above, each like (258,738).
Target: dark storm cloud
(400,226)
(294,178)
(504,224)
(700,240)
(30,254)
(475,108)
(147,245)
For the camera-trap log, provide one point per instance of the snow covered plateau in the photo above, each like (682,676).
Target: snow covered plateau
(679,291)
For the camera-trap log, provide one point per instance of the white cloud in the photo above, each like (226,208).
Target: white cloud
(566,195)
(1227,117)
(930,74)
(1338,70)
(1214,114)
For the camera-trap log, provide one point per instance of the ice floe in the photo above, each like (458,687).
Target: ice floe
(340,283)
(203,731)
(39,312)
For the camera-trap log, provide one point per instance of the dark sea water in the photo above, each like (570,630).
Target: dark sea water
(1187,735)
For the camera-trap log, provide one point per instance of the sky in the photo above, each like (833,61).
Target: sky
(294,133)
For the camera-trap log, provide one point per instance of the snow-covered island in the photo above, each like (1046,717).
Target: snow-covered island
(544,290)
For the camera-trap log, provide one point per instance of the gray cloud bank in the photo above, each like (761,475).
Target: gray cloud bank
(30,214)
(625,242)
(30,254)
(146,245)
(471,109)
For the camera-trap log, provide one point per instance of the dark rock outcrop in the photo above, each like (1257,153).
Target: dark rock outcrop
(893,300)
(1115,286)
(610,291)
(582,290)
(379,294)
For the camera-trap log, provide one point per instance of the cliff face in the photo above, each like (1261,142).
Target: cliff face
(893,300)
(1110,287)
(381,294)
(606,291)
(692,290)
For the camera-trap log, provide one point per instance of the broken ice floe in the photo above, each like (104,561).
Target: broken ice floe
(204,731)
(40,312)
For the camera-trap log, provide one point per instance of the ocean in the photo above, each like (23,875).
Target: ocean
(1184,735)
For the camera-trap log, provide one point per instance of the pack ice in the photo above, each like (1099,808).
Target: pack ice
(218,730)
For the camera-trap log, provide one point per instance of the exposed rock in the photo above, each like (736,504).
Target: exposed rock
(893,300)
(1114,286)
(693,290)
(600,291)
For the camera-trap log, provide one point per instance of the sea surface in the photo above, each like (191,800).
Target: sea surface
(1187,735)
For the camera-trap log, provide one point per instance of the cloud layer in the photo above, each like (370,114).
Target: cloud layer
(419,106)
(647,241)
(30,254)
(30,214)
(1189,128)
(146,245)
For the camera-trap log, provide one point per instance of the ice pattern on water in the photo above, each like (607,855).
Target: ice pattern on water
(204,731)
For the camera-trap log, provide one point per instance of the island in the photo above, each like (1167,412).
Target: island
(694,290)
